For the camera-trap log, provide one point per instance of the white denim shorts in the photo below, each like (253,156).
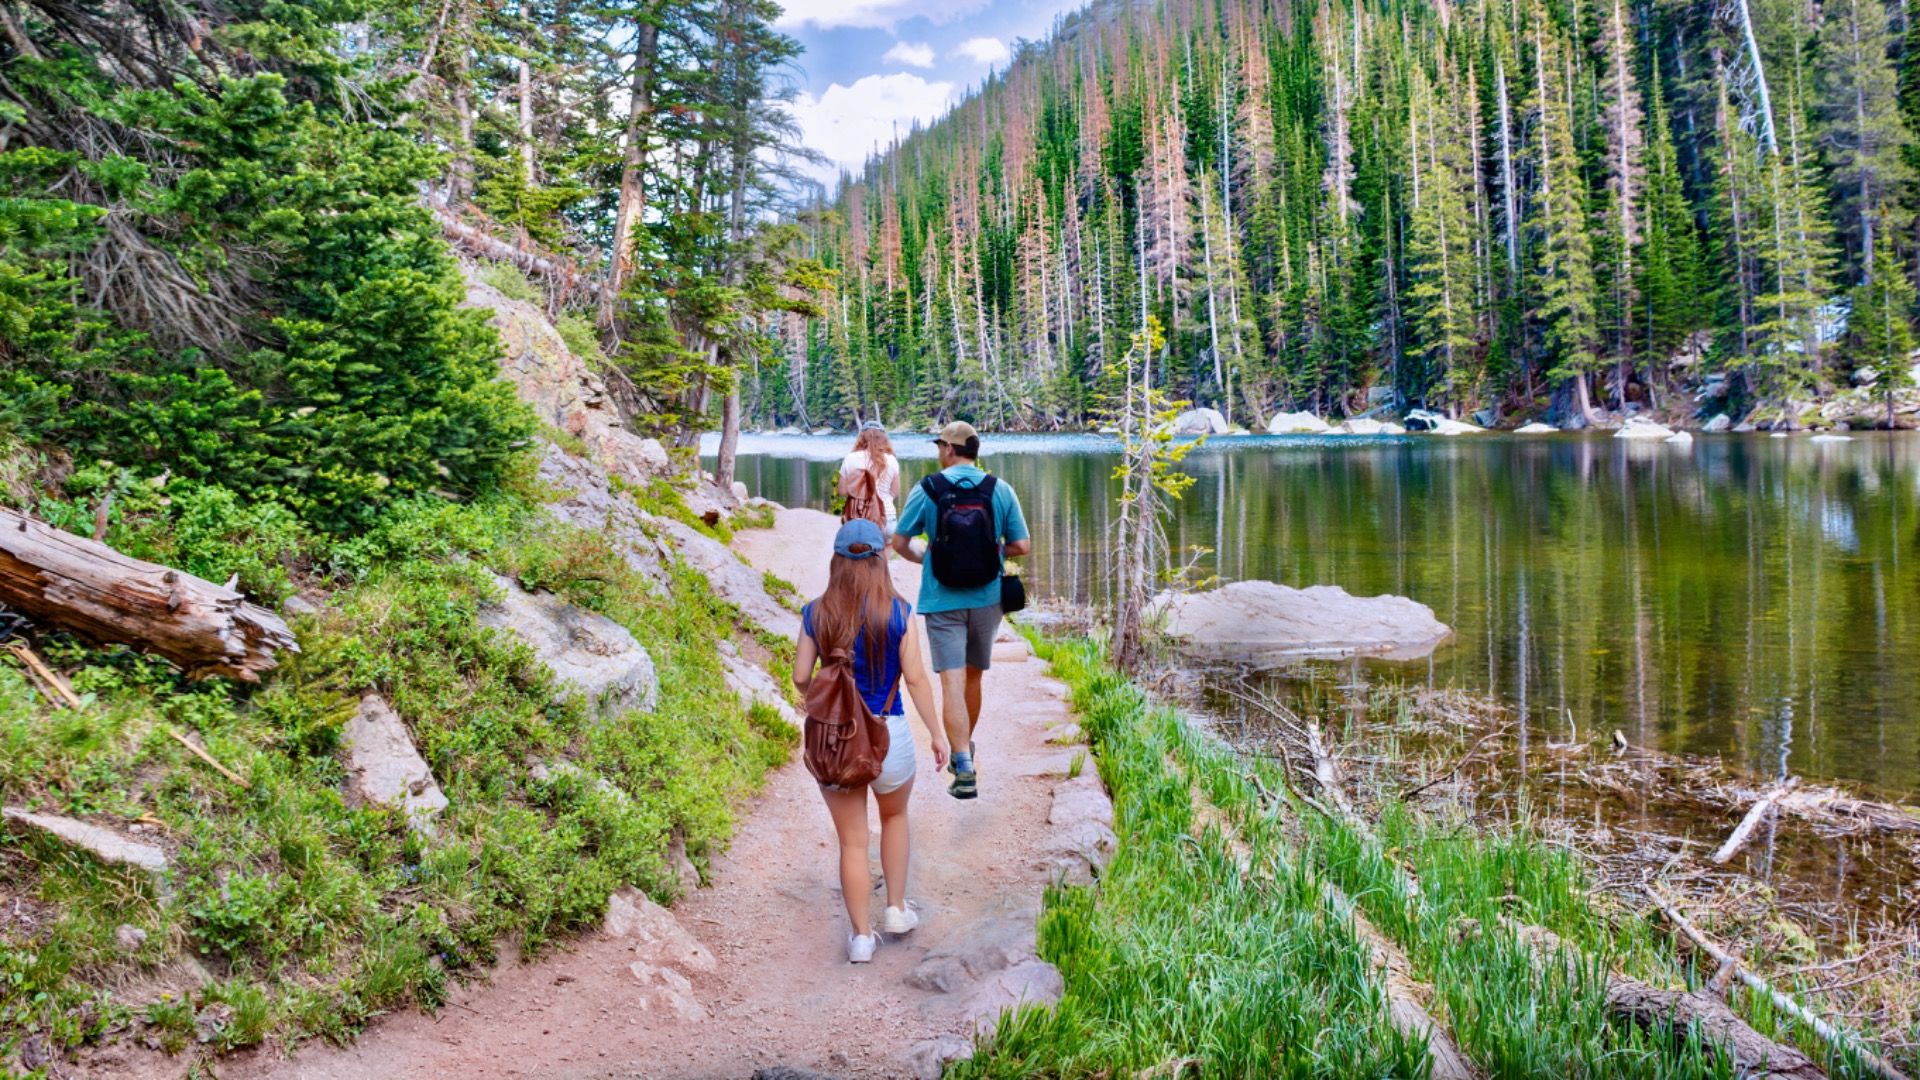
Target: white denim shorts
(899,766)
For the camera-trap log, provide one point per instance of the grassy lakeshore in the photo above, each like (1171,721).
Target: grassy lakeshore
(287,913)
(1210,947)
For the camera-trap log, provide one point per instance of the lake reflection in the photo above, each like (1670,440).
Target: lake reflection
(1748,597)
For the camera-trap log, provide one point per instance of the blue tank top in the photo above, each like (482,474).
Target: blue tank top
(876,685)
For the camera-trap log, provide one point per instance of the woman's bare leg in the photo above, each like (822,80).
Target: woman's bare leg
(895,842)
(849,810)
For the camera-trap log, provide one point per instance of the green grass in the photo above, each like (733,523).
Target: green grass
(313,916)
(1207,948)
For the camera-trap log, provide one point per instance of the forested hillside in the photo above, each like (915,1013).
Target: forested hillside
(1556,207)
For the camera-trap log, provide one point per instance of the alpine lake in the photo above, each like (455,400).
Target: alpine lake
(1748,599)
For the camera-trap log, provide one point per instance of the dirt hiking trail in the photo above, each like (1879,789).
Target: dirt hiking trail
(751,972)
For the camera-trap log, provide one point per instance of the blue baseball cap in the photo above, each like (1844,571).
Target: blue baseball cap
(858,531)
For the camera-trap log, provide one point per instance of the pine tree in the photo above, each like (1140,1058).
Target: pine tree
(1670,271)
(1865,136)
(1567,290)
(1881,326)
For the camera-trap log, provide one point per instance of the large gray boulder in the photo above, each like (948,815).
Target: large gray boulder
(1296,423)
(563,389)
(385,769)
(588,653)
(1200,422)
(1259,622)
(1719,423)
(1536,428)
(1639,427)
(103,844)
(1363,425)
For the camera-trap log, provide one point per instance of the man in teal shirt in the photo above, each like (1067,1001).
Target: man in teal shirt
(961,621)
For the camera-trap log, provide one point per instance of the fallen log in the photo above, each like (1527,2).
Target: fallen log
(1834,807)
(1751,1053)
(1744,831)
(83,586)
(1406,1006)
(1784,1002)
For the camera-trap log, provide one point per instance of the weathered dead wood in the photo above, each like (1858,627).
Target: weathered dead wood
(1835,807)
(196,750)
(1784,1002)
(86,587)
(1649,1006)
(1406,995)
(1744,831)
(1326,771)
(561,277)
(58,687)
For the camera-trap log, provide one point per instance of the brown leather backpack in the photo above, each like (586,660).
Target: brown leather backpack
(846,745)
(863,499)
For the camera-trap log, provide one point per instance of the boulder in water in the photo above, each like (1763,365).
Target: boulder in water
(1720,423)
(1436,424)
(1259,622)
(1537,428)
(1296,423)
(1831,438)
(1639,427)
(1200,422)
(1361,425)
(1679,438)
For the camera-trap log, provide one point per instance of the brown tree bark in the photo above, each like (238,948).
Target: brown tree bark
(79,585)
(633,192)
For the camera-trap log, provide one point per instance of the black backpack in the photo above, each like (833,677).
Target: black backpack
(965,551)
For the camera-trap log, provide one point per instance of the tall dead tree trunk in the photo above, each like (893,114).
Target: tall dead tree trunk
(633,193)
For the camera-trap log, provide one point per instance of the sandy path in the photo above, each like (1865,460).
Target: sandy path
(776,989)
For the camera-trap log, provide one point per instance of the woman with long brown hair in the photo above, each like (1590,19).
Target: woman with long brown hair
(872,454)
(861,613)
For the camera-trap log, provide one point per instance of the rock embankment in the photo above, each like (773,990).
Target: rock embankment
(1261,623)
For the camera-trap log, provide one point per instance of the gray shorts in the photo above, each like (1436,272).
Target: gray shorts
(963,638)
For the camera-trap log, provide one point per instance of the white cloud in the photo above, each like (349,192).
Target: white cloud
(883,14)
(848,123)
(983,50)
(910,53)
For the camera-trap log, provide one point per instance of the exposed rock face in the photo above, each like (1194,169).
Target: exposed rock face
(1200,422)
(588,501)
(103,844)
(1537,428)
(1434,423)
(1259,622)
(384,768)
(666,956)
(587,652)
(562,389)
(1639,427)
(1296,423)
(732,580)
(1720,423)
(751,683)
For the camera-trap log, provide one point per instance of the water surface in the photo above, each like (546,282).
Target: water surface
(1752,598)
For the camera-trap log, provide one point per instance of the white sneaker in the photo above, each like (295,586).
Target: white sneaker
(860,947)
(899,920)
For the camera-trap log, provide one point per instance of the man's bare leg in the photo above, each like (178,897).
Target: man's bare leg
(960,703)
(974,676)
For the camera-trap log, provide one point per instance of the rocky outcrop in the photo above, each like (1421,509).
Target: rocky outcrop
(666,956)
(384,768)
(1435,424)
(1082,830)
(751,684)
(587,653)
(1296,423)
(562,388)
(993,967)
(585,499)
(1361,425)
(1537,428)
(732,580)
(1200,422)
(103,844)
(1259,622)
(1639,427)
(1719,423)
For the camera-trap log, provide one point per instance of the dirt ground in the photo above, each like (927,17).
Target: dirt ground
(759,977)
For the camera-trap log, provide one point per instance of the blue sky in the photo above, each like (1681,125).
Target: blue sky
(872,65)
